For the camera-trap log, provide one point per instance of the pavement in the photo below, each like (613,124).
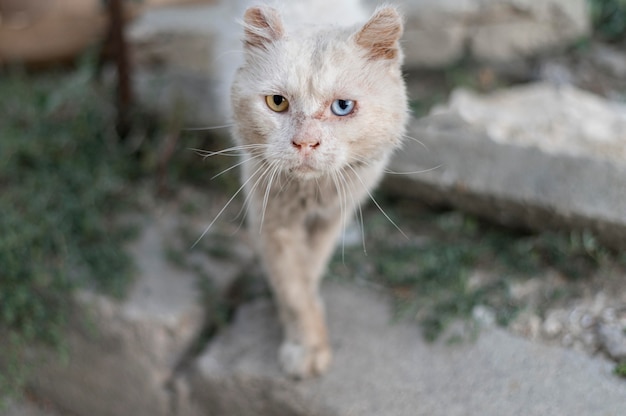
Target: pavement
(386,367)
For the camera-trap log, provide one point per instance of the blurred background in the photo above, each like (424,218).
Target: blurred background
(108,117)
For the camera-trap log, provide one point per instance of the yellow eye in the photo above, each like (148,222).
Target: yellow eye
(277,103)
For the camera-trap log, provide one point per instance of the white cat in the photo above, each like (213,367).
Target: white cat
(319,105)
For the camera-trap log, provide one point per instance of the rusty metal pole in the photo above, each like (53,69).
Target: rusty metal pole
(120,50)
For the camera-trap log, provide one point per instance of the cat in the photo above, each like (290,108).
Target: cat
(318,106)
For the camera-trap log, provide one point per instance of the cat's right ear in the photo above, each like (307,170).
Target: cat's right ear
(262,26)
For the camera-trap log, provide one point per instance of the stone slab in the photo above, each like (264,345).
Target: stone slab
(25,408)
(122,354)
(177,59)
(385,367)
(537,155)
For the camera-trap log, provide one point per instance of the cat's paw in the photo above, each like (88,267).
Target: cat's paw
(300,361)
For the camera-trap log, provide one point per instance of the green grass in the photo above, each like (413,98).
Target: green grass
(620,369)
(62,184)
(432,273)
(609,19)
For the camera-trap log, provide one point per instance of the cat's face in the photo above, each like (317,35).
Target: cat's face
(320,101)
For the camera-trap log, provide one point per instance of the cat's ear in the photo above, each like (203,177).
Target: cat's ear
(262,26)
(380,35)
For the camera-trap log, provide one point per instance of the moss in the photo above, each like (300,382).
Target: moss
(432,272)
(609,19)
(61,188)
(620,369)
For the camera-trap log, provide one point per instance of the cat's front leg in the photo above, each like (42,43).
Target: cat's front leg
(305,350)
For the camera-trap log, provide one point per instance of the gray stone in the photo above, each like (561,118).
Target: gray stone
(173,55)
(609,58)
(612,339)
(441,32)
(385,367)
(176,62)
(25,408)
(536,155)
(121,354)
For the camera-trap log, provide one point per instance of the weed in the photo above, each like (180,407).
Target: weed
(620,369)
(609,19)
(61,186)
(432,274)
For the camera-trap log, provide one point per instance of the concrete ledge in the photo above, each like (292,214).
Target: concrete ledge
(506,166)
(121,354)
(387,368)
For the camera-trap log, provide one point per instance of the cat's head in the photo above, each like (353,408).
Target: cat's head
(320,99)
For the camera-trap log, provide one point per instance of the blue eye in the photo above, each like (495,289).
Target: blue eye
(342,107)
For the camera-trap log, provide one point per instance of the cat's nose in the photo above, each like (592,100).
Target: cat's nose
(305,143)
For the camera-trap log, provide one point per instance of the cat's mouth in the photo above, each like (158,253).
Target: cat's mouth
(306,169)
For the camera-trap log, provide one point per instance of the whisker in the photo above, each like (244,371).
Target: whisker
(230,151)
(336,182)
(376,202)
(208,128)
(274,166)
(417,141)
(234,166)
(414,172)
(357,210)
(224,208)
(246,202)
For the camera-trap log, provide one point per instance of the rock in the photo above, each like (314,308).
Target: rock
(385,367)
(611,59)
(442,32)
(173,54)
(484,315)
(176,61)
(553,324)
(535,155)
(612,339)
(25,408)
(122,355)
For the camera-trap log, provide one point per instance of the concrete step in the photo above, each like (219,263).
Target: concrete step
(536,155)
(386,367)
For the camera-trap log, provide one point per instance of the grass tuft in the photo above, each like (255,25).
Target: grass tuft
(452,263)
(609,19)
(61,187)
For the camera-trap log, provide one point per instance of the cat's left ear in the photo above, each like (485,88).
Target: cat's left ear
(262,26)
(381,34)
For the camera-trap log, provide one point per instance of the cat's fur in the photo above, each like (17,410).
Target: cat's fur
(306,169)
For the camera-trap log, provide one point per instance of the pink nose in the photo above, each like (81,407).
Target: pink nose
(305,143)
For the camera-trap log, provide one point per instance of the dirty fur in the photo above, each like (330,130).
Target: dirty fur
(305,170)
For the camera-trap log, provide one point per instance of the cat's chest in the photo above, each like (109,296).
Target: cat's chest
(296,201)
(310,197)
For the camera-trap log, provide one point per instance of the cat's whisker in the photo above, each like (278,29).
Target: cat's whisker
(340,191)
(361,159)
(234,166)
(359,216)
(224,208)
(224,126)
(417,172)
(230,151)
(392,172)
(243,211)
(275,169)
(359,211)
(417,141)
(376,202)
(265,169)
